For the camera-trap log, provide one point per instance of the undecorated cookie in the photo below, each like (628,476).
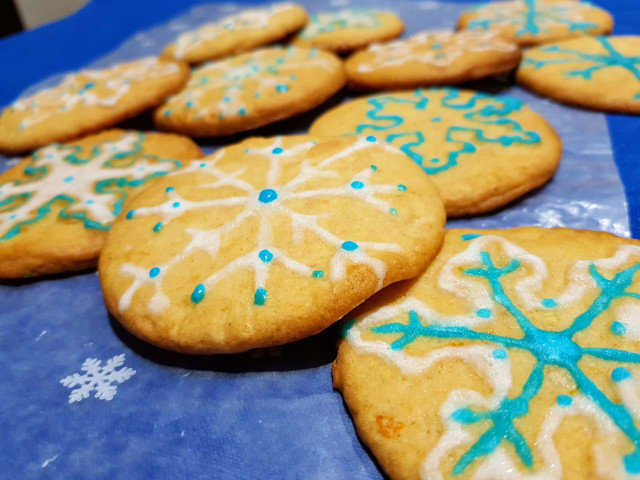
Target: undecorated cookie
(57,206)
(88,101)
(268,241)
(516,355)
(482,151)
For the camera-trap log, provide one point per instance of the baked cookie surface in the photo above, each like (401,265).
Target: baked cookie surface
(482,151)
(57,206)
(238,33)
(532,22)
(431,58)
(515,355)
(251,90)
(602,73)
(268,241)
(87,101)
(347,30)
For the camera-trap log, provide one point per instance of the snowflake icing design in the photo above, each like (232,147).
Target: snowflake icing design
(433,48)
(610,58)
(264,203)
(474,275)
(98,378)
(256,73)
(344,19)
(91,186)
(533,17)
(82,89)
(475,114)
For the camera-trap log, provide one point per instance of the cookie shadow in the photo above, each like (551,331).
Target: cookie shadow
(22,282)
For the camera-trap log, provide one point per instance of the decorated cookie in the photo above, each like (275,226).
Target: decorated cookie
(482,151)
(347,30)
(88,101)
(251,90)
(268,241)
(602,73)
(431,58)
(532,22)
(516,355)
(238,33)
(57,206)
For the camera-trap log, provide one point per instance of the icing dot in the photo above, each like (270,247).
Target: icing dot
(436,119)
(167,113)
(260,297)
(282,88)
(276,151)
(499,353)
(154,272)
(393,212)
(618,329)
(318,274)
(90,202)
(469,236)
(620,374)
(402,188)
(435,160)
(265,255)
(242,111)
(293,77)
(89,85)
(169,189)
(357,185)
(198,293)
(436,46)
(175,204)
(484,313)
(130,214)
(463,415)
(68,179)
(374,168)
(371,138)
(202,165)
(226,99)
(157,227)
(256,95)
(349,246)
(268,195)
(189,104)
(549,303)
(13,217)
(564,400)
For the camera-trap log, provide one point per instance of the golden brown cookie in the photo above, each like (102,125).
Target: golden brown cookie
(238,33)
(251,90)
(88,101)
(268,241)
(347,30)
(57,206)
(482,151)
(431,58)
(516,355)
(532,22)
(602,73)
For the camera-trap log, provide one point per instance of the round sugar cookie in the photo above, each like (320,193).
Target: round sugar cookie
(57,205)
(347,30)
(602,73)
(532,22)
(87,101)
(431,58)
(482,151)
(238,33)
(268,241)
(516,355)
(251,90)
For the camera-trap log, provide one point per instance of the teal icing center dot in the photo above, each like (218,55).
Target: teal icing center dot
(349,246)
(618,328)
(564,400)
(268,195)
(260,297)
(357,185)
(619,374)
(265,255)
(484,313)
(198,293)
(154,272)
(549,303)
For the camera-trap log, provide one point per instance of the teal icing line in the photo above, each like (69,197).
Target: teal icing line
(549,348)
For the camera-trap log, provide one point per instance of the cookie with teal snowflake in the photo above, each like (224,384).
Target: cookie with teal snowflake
(347,30)
(251,90)
(238,33)
(516,355)
(268,241)
(532,22)
(482,151)
(88,101)
(57,206)
(601,73)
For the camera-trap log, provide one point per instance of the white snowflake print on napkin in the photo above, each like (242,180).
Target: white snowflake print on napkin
(99,378)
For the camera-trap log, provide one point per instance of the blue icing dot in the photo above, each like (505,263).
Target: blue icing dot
(318,274)
(189,104)
(484,313)
(349,246)
(436,46)
(157,227)
(89,85)
(469,236)
(293,77)
(90,202)
(549,303)
(393,212)
(68,179)
(265,256)
(198,293)
(13,217)
(202,165)
(268,195)
(463,415)
(620,374)
(277,151)
(226,99)
(282,88)
(435,160)
(154,272)
(371,138)
(564,400)
(357,185)
(256,95)
(402,188)
(169,189)
(374,168)
(618,329)
(260,297)
(130,214)
(175,204)
(242,111)
(167,113)
(499,353)
(436,119)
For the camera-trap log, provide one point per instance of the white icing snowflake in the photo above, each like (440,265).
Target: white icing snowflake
(98,378)
(329,22)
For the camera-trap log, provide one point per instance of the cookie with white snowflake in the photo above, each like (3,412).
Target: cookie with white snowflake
(532,22)
(57,205)
(601,73)
(268,241)
(88,101)
(482,151)
(238,33)
(431,58)
(251,90)
(347,30)
(516,355)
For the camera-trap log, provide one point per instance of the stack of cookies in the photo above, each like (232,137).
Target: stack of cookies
(464,353)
